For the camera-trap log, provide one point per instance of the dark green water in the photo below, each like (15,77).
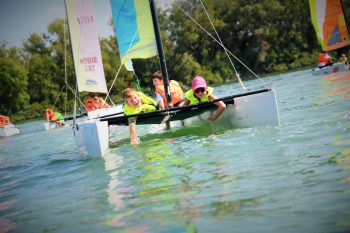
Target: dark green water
(294,177)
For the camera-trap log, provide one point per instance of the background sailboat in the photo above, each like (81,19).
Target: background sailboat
(7,128)
(138,39)
(330,25)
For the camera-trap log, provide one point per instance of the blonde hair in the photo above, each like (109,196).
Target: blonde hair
(128,92)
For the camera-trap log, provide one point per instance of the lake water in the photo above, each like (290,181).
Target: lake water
(294,177)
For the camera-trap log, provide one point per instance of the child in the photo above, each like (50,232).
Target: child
(95,102)
(175,91)
(51,115)
(201,93)
(136,102)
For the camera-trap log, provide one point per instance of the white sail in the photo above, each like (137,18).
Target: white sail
(85,45)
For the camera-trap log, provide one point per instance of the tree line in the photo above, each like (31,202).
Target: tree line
(268,36)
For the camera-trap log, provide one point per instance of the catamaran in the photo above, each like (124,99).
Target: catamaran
(7,128)
(138,36)
(331,29)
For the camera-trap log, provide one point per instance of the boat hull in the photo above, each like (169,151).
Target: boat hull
(337,67)
(252,110)
(9,130)
(92,135)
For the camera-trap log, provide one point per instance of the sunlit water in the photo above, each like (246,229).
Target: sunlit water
(294,177)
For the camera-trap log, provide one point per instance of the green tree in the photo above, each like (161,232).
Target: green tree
(13,77)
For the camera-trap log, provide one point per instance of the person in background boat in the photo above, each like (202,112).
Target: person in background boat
(200,92)
(95,102)
(343,59)
(136,102)
(4,120)
(175,89)
(51,115)
(324,59)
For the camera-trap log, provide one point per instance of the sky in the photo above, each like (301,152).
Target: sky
(20,18)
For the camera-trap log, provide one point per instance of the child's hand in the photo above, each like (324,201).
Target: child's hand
(212,118)
(135,141)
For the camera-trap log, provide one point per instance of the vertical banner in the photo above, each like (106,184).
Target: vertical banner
(134,29)
(85,45)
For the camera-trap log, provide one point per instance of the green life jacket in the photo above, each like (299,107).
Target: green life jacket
(148,105)
(194,100)
(59,116)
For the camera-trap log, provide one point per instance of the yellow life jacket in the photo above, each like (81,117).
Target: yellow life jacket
(194,100)
(175,92)
(148,105)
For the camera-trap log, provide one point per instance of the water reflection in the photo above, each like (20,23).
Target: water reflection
(343,155)
(341,82)
(167,184)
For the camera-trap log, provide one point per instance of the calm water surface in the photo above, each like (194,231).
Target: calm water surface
(294,177)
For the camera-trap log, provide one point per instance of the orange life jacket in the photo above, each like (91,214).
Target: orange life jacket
(175,91)
(323,58)
(4,120)
(49,112)
(102,104)
(90,104)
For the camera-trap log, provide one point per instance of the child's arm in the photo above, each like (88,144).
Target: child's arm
(186,102)
(221,107)
(134,139)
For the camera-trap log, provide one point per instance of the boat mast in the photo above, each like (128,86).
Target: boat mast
(76,81)
(161,53)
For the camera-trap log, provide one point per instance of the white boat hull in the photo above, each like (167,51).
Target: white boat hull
(247,111)
(9,130)
(336,67)
(50,125)
(92,136)
(253,110)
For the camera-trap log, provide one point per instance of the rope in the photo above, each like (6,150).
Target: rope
(57,98)
(222,46)
(138,87)
(65,66)
(121,64)
(217,34)
(75,95)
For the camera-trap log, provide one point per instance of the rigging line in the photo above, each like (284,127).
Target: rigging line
(217,34)
(58,97)
(65,65)
(121,64)
(223,46)
(137,82)
(110,99)
(75,95)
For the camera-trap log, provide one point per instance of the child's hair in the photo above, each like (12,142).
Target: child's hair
(129,92)
(158,75)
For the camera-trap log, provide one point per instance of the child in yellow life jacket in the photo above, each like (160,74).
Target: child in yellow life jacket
(200,92)
(136,102)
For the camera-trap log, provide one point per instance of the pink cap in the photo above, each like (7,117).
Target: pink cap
(198,82)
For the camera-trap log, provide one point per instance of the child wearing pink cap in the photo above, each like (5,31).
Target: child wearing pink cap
(200,92)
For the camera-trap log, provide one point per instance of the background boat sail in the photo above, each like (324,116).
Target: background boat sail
(138,35)
(327,17)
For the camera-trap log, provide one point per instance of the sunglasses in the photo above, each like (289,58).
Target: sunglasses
(201,89)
